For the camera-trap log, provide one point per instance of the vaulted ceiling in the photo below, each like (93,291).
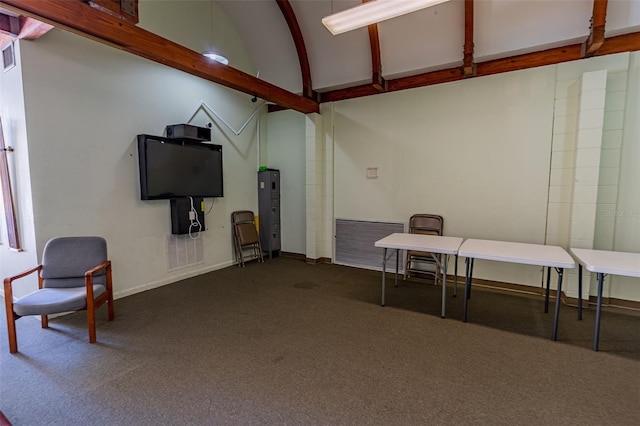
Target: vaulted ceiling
(302,65)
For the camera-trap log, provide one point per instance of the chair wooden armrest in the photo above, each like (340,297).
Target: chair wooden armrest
(98,268)
(9,281)
(22,274)
(88,278)
(92,302)
(8,304)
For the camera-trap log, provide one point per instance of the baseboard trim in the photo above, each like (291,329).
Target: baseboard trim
(610,303)
(319,261)
(627,306)
(172,279)
(297,256)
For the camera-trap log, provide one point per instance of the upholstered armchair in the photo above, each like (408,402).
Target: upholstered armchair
(75,274)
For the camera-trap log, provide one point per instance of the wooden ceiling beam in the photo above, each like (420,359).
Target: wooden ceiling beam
(79,18)
(514,63)
(298,41)
(123,9)
(82,19)
(531,60)
(468,67)
(377,80)
(349,93)
(596,35)
(425,79)
(618,44)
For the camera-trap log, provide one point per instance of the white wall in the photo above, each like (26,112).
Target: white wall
(12,111)
(198,25)
(479,153)
(590,188)
(286,152)
(627,219)
(476,152)
(85,104)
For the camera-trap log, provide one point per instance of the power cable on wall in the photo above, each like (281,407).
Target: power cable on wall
(204,106)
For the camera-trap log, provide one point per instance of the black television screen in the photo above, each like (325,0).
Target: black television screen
(170,168)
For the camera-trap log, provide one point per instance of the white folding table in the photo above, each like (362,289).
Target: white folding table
(528,254)
(434,244)
(603,262)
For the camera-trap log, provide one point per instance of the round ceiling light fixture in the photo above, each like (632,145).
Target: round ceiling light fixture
(215,56)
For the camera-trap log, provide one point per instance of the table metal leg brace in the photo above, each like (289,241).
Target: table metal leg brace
(455,285)
(546,296)
(385,258)
(443,267)
(580,292)
(467,285)
(557,313)
(596,333)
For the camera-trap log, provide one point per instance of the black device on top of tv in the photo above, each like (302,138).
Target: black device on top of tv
(171,168)
(187,132)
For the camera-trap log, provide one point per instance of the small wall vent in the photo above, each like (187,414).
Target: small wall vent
(183,251)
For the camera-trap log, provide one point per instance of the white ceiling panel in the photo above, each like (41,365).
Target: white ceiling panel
(427,39)
(506,26)
(268,41)
(335,61)
(623,16)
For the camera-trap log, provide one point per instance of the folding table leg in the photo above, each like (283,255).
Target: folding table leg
(596,335)
(579,291)
(546,297)
(467,285)
(557,313)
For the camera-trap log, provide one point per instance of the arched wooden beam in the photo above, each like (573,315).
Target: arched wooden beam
(87,21)
(596,36)
(298,40)
(618,44)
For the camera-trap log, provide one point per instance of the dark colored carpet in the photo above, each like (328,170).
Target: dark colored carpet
(289,343)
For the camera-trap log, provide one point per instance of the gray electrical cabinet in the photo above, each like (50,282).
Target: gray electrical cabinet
(269,210)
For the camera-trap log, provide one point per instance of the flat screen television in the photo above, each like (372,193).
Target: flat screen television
(170,168)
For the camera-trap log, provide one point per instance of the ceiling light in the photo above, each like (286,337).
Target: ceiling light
(212,53)
(372,12)
(216,57)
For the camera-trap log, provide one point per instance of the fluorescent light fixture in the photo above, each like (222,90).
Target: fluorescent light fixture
(216,57)
(372,12)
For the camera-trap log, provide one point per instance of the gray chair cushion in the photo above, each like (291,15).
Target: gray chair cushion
(69,257)
(54,300)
